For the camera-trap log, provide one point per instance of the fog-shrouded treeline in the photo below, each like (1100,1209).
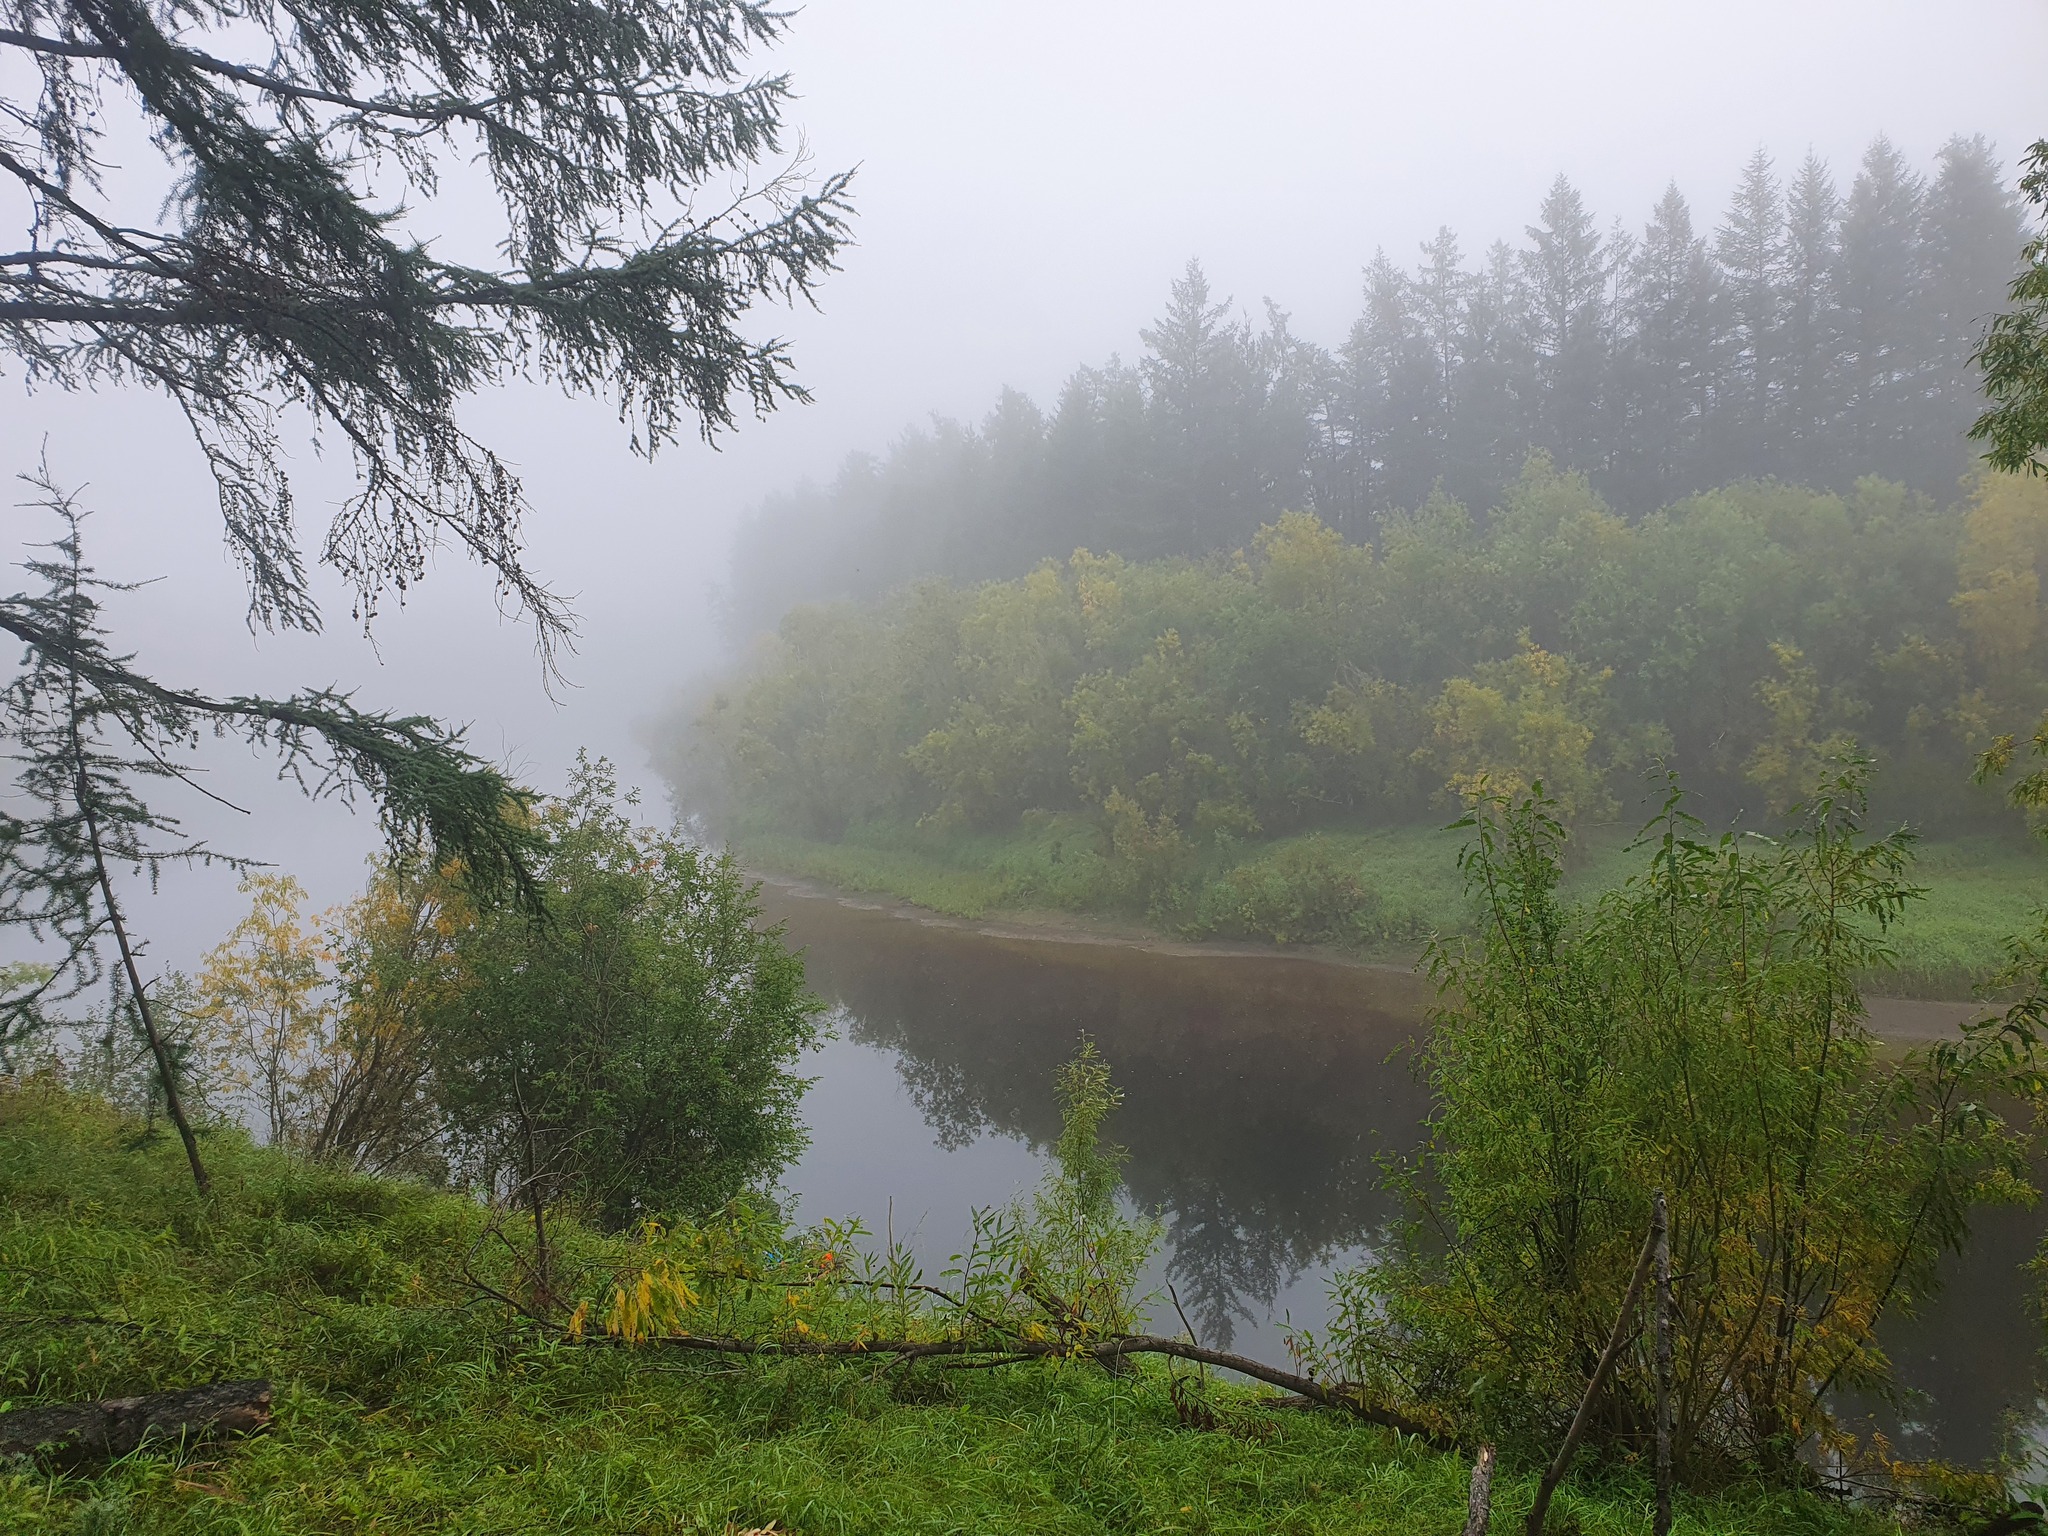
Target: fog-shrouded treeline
(1812,333)
(1747,637)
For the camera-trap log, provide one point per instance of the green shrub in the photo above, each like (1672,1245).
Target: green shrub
(1304,892)
(1078,1256)
(634,1054)
(1696,1031)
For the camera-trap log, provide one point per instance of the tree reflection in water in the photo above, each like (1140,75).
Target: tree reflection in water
(1259,1091)
(1261,1094)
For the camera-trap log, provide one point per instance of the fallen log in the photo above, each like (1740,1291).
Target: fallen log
(1108,1352)
(83,1434)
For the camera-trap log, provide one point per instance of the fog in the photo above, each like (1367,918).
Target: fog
(1030,178)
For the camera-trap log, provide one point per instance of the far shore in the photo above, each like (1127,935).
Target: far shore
(1903,1022)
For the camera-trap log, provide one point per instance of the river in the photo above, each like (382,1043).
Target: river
(1262,1093)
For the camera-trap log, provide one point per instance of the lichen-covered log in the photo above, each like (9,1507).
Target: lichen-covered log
(80,1434)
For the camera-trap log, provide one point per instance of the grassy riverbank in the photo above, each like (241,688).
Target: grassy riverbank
(405,1405)
(1375,893)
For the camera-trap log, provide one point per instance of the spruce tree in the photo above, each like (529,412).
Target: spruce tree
(1293,377)
(280,255)
(1352,416)
(1881,290)
(1972,234)
(1195,375)
(294,264)
(1750,249)
(1499,402)
(1813,396)
(1442,290)
(1565,273)
(2014,353)
(1392,357)
(1670,371)
(1100,461)
(1013,519)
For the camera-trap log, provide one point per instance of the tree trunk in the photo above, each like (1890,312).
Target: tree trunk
(1479,1505)
(1624,1326)
(1661,1218)
(166,1070)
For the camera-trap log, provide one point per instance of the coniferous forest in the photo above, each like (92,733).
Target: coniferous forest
(1817,330)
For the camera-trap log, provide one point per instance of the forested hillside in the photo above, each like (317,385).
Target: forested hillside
(1136,731)
(1744,636)
(1811,333)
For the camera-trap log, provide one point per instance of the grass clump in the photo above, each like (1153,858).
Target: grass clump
(406,1403)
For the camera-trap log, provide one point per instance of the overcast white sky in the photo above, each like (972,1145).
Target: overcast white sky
(1031,175)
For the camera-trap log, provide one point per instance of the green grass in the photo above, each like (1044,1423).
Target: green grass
(926,878)
(405,1406)
(1053,863)
(1980,890)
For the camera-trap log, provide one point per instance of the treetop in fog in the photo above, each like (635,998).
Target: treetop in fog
(1810,334)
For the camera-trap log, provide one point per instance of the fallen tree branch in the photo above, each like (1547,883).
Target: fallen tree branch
(82,1434)
(1108,1352)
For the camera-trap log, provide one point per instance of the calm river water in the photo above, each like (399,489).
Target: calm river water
(1260,1094)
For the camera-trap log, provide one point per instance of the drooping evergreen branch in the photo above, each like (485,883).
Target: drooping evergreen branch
(425,782)
(86,732)
(283,271)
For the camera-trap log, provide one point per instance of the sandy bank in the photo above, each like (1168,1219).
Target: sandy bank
(1900,1021)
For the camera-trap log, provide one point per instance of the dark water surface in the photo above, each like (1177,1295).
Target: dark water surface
(1260,1094)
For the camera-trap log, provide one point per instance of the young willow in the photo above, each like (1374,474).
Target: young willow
(1695,1031)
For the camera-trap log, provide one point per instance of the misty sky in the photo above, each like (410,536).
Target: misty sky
(1031,177)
